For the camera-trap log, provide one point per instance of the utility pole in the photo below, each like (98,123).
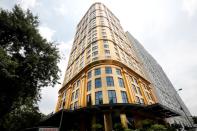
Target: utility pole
(182,107)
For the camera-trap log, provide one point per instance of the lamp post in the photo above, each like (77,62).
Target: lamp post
(182,107)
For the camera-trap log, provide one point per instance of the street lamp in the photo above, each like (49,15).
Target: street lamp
(182,107)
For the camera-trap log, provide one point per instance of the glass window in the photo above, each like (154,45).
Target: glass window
(97,71)
(135,80)
(89,101)
(106,46)
(107,52)
(139,91)
(98,83)
(95,53)
(94,44)
(104,37)
(108,70)
(94,48)
(134,88)
(76,105)
(89,74)
(124,97)
(112,96)
(95,58)
(89,85)
(78,83)
(73,94)
(118,71)
(77,94)
(98,97)
(137,99)
(120,81)
(110,81)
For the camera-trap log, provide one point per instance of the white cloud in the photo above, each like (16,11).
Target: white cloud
(49,95)
(26,4)
(46,32)
(61,10)
(190,6)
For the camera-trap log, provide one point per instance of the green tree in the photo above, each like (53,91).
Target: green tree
(157,127)
(118,127)
(25,116)
(28,62)
(97,127)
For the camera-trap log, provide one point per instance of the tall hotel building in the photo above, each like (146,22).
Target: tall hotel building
(105,81)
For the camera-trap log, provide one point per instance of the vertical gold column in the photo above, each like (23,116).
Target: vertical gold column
(68,95)
(82,91)
(142,90)
(123,119)
(152,91)
(107,121)
(58,104)
(126,82)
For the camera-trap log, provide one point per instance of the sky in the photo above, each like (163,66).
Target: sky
(166,28)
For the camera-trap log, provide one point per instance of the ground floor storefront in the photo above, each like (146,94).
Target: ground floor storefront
(107,117)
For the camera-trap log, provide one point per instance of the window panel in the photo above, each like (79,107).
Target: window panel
(78,83)
(89,100)
(124,97)
(98,97)
(89,74)
(76,105)
(73,95)
(95,53)
(77,94)
(108,70)
(98,83)
(118,71)
(107,52)
(89,85)
(139,91)
(120,81)
(110,81)
(94,48)
(137,99)
(106,46)
(112,96)
(134,88)
(97,71)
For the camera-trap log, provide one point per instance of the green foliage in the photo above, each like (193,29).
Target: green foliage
(127,129)
(118,127)
(27,62)
(144,124)
(157,127)
(176,126)
(25,116)
(97,126)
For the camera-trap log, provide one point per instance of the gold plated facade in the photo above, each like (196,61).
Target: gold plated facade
(103,68)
